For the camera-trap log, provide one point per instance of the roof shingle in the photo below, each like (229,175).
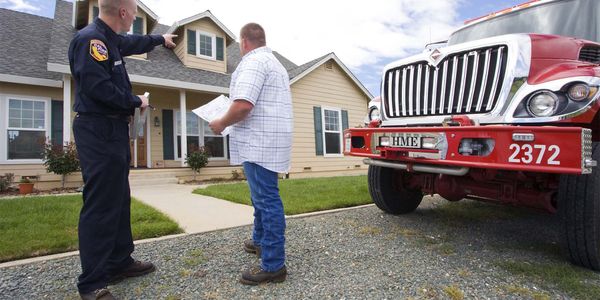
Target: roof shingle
(45,41)
(24,50)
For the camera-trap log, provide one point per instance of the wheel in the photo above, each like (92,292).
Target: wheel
(389,192)
(579,208)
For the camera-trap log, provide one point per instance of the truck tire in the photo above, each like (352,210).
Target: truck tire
(389,193)
(579,208)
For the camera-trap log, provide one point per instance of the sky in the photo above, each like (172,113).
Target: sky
(365,35)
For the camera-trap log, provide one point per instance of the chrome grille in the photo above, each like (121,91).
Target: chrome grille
(590,53)
(462,83)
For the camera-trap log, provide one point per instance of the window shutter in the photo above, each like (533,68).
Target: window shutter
(95,12)
(138,25)
(344,119)
(191,42)
(220,48)
(56,123)
(167,121)
(318,130)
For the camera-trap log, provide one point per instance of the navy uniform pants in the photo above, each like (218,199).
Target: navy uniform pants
(105,241)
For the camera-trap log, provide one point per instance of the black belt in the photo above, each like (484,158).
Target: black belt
(110,116)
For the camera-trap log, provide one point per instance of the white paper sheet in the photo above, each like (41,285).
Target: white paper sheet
(215,109)
(138,123)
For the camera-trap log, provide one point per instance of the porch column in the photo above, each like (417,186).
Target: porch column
(66,108)
(148,140)
(183,120)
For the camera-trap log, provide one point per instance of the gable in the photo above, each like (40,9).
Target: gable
(86,10)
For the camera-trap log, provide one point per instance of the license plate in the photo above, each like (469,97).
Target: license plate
(405,140)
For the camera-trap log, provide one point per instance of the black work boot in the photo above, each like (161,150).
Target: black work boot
(250,247)
(256,275)
(99,294)
(137,268)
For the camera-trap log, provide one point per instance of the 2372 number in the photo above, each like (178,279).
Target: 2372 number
(528,154)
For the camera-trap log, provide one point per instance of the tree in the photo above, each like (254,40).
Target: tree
(196,158)
(61,160)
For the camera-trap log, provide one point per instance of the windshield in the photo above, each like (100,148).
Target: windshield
(572,18)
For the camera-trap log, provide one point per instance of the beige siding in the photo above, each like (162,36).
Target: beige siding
(324,88)
(31,90)
(181,48)
(193,61)
(91,9)
(45,181)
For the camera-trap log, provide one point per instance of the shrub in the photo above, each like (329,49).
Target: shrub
(237,174)
(5,181)
(196,158)
(60,160)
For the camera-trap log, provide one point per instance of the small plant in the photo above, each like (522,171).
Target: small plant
(26,185)
(196,158)
(5,181)
(60,160)
(237,174)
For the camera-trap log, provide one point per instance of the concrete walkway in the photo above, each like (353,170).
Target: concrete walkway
(194,213)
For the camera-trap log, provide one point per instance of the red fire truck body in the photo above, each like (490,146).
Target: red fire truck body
(497,115)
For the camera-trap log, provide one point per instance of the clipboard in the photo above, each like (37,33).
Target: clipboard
(138,124)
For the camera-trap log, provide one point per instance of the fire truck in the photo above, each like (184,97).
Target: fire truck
(506,111)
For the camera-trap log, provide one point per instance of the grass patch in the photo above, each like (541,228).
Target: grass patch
(194,258)
(454,292)
(34,226)
(525,292)
(579,283)
(302,195)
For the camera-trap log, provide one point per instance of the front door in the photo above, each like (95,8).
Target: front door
(141,151)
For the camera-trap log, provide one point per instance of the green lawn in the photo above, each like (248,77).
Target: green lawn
(302,195)
(33,226)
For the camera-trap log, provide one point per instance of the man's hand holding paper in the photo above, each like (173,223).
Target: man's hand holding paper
(213,112)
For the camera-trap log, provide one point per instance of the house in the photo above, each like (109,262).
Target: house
(37,95)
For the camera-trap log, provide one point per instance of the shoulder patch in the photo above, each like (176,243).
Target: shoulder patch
(98,50)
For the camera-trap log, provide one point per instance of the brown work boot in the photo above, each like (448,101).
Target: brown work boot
(137,268)
(256,275)
(250,247)
(99,294)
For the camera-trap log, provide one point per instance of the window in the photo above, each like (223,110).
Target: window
(27,128)
(199,134)
(137,27)
(206,45)
(332,129)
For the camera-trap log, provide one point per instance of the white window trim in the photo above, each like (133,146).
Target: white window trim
(213,45)
(4,101)
(339,111)
(200,139)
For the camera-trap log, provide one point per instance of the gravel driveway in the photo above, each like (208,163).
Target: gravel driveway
(438,252)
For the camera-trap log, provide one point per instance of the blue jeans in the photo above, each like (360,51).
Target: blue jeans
(269,219)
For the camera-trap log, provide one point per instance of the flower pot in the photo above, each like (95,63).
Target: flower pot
(25,188)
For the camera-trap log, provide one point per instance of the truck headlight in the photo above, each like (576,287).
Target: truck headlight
(374,114)
(579,92)
(542,104)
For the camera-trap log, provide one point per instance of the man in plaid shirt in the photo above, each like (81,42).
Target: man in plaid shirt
(261,140)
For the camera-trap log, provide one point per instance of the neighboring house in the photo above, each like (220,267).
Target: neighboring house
(37,94)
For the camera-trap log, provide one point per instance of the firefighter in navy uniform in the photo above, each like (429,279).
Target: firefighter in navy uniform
(104,103)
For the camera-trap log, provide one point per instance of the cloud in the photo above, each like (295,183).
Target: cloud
(361,33)
(20,5)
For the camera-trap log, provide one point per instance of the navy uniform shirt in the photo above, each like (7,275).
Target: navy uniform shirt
(102,85)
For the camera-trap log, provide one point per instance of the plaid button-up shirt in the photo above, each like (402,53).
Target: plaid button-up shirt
(265,136)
